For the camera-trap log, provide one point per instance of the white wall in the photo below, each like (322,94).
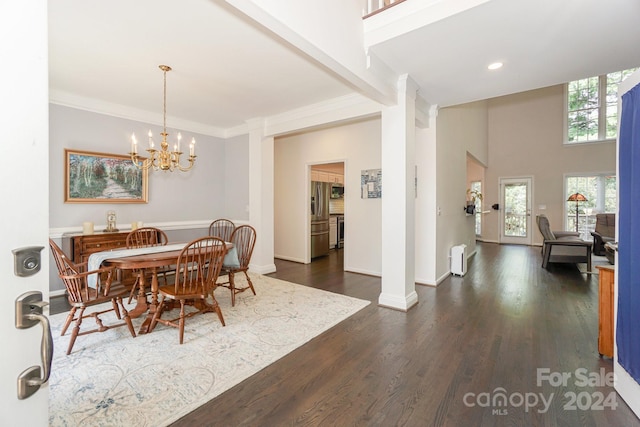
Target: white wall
(461,130)
(173,196)
(358,146)
(426,207)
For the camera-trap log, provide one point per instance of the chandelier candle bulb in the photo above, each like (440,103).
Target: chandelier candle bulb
(179,138)
(192,147)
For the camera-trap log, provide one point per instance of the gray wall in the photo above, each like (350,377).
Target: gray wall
(199,194)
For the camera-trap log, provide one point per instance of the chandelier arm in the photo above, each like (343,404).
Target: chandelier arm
(191,160)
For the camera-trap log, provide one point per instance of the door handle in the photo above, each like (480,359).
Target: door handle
(29,313)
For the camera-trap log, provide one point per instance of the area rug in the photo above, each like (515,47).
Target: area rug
(596,260)
(112,379)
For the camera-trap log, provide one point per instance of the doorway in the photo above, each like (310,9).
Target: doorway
(515,218)
(330,175)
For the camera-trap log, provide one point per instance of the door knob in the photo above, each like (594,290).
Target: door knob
(29,313)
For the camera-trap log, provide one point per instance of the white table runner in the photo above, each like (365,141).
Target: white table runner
(96,259)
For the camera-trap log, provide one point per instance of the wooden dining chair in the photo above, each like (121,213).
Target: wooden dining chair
(82,297)
(197,270)
(222,229)
(243,239)
(145,237)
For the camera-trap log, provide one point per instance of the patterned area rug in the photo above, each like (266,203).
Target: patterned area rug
(112,379)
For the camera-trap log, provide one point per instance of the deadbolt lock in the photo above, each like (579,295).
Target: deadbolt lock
(27,260)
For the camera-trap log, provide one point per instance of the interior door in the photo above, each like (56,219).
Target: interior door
(515,209)
(25,195)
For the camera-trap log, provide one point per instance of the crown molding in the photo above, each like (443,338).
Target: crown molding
(331,111)
(67,99)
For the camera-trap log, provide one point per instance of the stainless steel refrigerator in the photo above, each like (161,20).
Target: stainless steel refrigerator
(320,193)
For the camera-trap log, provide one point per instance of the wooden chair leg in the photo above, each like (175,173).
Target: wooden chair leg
(75,331)
(116,308)
(232,287)
(157,314)
(68,321)
(181,321)
(127,319)
(135,286)
(249,282)
(219,312)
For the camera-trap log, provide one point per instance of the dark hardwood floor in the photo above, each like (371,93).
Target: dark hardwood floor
(447,361)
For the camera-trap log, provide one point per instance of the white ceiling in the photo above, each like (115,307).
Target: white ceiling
(104,56)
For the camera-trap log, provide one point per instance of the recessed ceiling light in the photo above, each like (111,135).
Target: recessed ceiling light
(495,66)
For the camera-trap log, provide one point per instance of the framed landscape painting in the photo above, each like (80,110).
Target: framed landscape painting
(103,178)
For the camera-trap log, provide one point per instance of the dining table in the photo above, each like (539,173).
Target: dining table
(148,260)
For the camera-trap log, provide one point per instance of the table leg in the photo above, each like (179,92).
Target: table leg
(141,302)
(144,328)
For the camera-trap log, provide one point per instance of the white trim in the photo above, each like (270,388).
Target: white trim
(530,203)
(480,239)
(565,212)
(425,282)
(55,233)
(403,304)
(361,271)
(583,143)
(625,385)
(602,110)
(125,112)
(262,269)
(292,259)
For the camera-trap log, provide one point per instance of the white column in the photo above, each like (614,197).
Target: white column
(398,200)
(261,197)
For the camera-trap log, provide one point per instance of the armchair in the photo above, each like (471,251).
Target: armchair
(605,232)
(562,246)
(84,300)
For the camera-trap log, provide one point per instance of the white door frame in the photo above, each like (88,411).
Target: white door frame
(528,239)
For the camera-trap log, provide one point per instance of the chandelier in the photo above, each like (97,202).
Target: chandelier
(162,159)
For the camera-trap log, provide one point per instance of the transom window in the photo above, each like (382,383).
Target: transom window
(592,107)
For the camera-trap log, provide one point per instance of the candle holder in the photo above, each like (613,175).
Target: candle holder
(111,222)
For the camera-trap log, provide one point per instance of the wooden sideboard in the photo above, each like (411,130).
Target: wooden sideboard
(79,246)
(605,309)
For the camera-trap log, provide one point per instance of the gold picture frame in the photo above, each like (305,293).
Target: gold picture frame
(91,177)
